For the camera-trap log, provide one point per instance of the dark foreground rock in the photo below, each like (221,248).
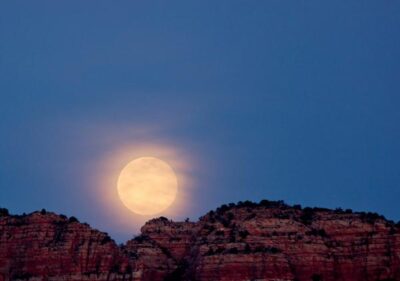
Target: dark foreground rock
(268,241)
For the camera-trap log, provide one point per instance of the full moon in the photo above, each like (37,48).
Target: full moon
(147,186)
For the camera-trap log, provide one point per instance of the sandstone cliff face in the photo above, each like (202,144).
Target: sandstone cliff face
(44,246)
(266,241)
(275,242)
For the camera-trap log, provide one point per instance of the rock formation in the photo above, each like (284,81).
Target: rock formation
(268,241)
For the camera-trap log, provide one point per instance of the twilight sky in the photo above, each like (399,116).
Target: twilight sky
(292,100)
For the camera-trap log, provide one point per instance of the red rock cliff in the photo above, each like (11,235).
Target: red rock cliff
(247,241)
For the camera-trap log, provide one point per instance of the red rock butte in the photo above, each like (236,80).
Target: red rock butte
(266,241)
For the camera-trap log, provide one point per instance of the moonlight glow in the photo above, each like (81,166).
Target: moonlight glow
(147,186)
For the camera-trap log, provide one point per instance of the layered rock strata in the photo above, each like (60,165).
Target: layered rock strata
(268,241)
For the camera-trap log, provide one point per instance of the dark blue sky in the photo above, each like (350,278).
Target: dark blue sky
(292,100)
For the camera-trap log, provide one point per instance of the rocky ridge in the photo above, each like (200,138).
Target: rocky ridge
(266,241)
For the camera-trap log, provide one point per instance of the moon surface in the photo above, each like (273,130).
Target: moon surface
(147,186)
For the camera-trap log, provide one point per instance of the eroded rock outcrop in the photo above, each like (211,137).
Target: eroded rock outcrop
(245,241)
